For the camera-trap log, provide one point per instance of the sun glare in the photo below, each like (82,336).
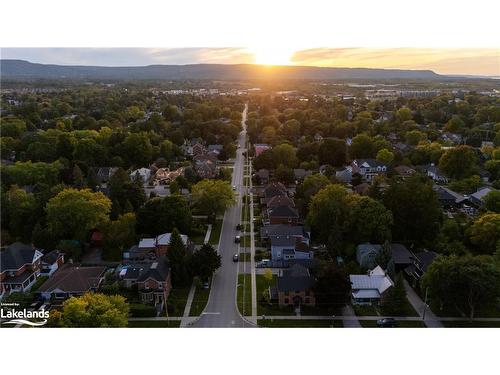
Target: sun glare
(272,56)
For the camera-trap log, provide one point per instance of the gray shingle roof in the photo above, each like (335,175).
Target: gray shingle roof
(16,255)
(296,278)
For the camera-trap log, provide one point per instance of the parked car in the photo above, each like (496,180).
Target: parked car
(237,239)
(236,257)
(387,323)
(239,227)
(234,187)
(206,285)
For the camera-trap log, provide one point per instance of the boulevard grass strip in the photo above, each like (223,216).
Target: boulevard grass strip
(200,300)
(154,324)
(244,284)
(215,234)
(288,323)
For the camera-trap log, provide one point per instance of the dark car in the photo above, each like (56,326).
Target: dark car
(236,257)
(238,227)
(387,323)
(237,239)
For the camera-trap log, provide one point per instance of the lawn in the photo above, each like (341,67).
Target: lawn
(285,323)
(177,301)
(468,324)
(154,324)
(215,235)
(200,300)
(365,310)
(198,238)
(247,308)
(401,324)
(244,257)
(264,308)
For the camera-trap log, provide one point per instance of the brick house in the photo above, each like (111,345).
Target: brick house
(20,266)
(283,215)
(295,287)
(157,245)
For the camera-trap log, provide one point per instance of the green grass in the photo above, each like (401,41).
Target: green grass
(154,324)
(401,324)
(365,310)
(468,324)
(264,308)
(177,301)
(244,257)
(285,323)
(215,234)
(247,308)
(200,300)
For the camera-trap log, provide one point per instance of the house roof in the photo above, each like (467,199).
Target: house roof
(280,200)
(17,255)
(426,258)
(372,163)
(273,189)
(283,241)
(301,173)
(158,271)
(404,170)
(295,278)
(479,195)
(51,257)
(283,211)
(282,230)
(160,240)
(400,254)
(71,278)
(377,281)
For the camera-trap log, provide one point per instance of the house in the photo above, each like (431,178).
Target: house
(294,287)
(105,173)
(260,148)
(164,176)
(344,175)
(362,189)
(368,168)
(433,172)
(51,262)
(300,173)
(366,255)
(402,147)
(157,245)
(371,288)
(143,173)
(199,149)
(404,171)
(448,198)
(71,280)
(283,215)
(263,176)
(20,266)
(477,199)
(298,231)
(205,165)
(290,247)
(421,263)
(153,280)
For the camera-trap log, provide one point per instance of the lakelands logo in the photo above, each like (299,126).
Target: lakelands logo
(15,316)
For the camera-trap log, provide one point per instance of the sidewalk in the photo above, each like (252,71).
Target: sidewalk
(431,320)
(252,250)
(186,319)
(347,310)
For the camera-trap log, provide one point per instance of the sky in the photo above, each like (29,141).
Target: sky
(470,61)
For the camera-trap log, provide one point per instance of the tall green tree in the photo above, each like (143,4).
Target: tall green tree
(458,162)
(484,233)
(395,301)
(332,287)
(212,197)
(205,262)
(72,213)
(178,258)
(160,215)
(465,284)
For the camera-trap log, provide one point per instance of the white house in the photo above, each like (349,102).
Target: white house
(370,288)
(368,168)
(144,173)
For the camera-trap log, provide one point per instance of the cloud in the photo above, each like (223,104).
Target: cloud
(447,61)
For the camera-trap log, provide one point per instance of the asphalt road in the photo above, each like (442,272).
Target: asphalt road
(221,310)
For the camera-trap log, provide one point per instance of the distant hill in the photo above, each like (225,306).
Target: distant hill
(20,69)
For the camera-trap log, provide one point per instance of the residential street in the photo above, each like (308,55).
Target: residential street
(221,310)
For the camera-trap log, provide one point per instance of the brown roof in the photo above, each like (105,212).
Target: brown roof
(280,200)
(71,278)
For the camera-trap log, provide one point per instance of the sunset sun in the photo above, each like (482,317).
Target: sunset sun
(268,55)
